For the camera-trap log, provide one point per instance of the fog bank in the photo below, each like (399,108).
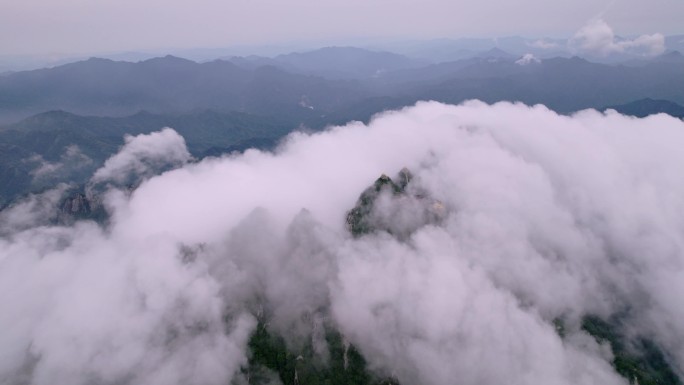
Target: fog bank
(546,217)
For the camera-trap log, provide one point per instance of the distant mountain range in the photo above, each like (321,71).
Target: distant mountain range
(228,105)
(300,87)
(645,107)
(168,85)
(334,62)
(430,50)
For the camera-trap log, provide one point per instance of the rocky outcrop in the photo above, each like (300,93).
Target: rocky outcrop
(396,206)
(79,206)
(75,205)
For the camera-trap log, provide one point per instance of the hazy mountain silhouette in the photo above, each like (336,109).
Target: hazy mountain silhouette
(648,106)
(166,85)
(221,106)
(347,62)
(565,85)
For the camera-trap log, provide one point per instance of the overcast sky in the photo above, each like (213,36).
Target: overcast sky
(88,26)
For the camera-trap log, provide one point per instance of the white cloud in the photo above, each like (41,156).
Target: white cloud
(144,155)
(598,38)
(528,58)
(33,210)
(73,159)
(547,216)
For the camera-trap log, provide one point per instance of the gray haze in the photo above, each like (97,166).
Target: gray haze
(80,26)
(546,216)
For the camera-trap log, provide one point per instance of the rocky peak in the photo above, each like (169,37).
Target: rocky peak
(75,205)
(394,206)
(80,206)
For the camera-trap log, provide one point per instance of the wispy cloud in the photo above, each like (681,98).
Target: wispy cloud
(598,38)
(527,59)
(144,155)
(73,159)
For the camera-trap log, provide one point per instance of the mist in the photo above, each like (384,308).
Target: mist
(545,217)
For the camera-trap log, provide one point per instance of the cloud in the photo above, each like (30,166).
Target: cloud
(33,210)
(72,160)
(144,155)
(597,38)
(528,58)
(546,217)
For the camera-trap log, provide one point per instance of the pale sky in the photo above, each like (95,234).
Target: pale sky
(87,26)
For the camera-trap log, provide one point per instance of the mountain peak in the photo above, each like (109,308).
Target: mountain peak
(94,59)
(168,59)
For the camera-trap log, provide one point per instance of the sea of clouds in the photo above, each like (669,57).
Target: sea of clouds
(547,217)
